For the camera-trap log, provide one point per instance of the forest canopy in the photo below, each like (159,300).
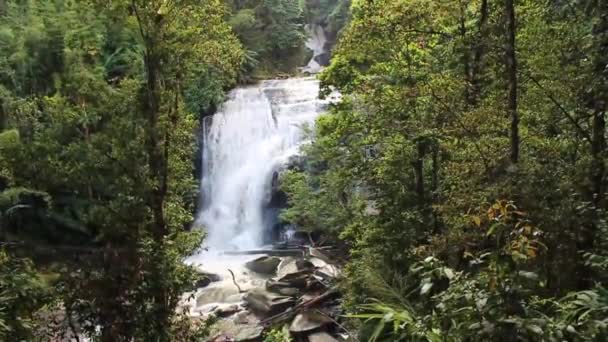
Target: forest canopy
(99,104)
(465,169)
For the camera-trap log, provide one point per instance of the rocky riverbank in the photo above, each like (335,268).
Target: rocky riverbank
(249,295)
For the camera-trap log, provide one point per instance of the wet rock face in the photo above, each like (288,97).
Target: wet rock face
(323,59)
(278,198)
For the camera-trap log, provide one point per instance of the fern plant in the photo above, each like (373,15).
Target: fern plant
(396,324)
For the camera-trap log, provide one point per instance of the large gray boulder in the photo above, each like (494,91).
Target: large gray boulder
(250,334)
(287,265)
(321,337)
(321,254)
(328,272)
(204,279)
(298,280)
(264,265)
(308,321)
(291,265)
(265,303)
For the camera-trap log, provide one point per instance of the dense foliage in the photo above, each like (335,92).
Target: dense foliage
(332,15)
(98,115)
(465,167)
(273,33)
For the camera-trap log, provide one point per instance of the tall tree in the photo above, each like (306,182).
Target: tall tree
(511,70)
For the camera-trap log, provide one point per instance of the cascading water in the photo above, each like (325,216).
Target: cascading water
(245,145)
(316,43)
(255,133)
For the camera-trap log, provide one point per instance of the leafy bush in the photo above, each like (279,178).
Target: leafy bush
(278,335)
(22,294)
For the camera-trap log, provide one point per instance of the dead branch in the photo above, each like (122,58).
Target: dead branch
(234,281)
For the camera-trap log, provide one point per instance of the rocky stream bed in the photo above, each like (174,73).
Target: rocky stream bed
(249,294)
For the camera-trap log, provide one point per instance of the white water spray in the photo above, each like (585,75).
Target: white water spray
(255,132)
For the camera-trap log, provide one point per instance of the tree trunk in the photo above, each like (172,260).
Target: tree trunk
(598,149)
(2,117)
(418,165)
(435,186)
(479,48)
(156,148)
(597,104)
(511,66)
(156,157)
(466,54)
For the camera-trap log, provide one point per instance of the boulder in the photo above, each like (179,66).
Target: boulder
(287,266)
(264,265)
(288,291)
(250,334)
(206,309)
(283,289)
(241,317)
(217,294)
(265,303)
(223,311)
(308,321)
(317,262)
(321,337)
(291,265)
(302,264)
(320,254)
(328,272)
(204,279)
(298,280)
(323,59)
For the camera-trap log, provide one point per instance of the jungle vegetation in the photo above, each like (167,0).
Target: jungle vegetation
(465,169)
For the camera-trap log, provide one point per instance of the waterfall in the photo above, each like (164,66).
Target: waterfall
(316,43)
(253,135)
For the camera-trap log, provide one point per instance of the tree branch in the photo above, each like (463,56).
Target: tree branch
(570,118)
